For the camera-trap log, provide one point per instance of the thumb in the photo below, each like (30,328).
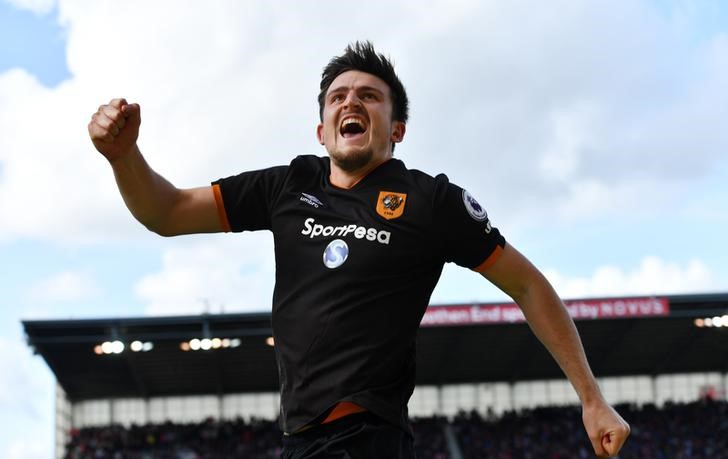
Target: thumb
(132,112)
(611,444)
(598,445)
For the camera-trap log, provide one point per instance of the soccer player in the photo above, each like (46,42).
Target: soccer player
(360,242)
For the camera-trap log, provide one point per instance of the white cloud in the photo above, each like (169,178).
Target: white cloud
(26,391)
(568,110)
(63,287)
(28,448)
(52,185)
(229,274)
(597,95)
(653,276)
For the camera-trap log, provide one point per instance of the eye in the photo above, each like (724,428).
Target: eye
(369,96)
(336,98)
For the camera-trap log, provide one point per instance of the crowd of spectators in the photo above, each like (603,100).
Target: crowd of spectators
(211,439)
(543,433)
(697,430)
(430,439)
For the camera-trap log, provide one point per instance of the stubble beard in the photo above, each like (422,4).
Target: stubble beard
(352,161)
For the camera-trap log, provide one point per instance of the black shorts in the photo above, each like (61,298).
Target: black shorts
(357,436)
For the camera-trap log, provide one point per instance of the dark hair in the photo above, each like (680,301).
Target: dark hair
(361,56)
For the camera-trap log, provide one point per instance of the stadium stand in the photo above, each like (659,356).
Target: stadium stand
(132,370)
(209,439)
(677,431)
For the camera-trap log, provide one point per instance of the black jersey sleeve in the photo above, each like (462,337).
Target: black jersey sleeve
(247,199)
(465,232)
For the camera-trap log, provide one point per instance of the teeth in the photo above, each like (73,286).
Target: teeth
(349,121)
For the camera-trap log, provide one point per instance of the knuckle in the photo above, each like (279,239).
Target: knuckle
(109,111)
(103,122)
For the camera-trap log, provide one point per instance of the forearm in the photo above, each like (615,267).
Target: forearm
(148,196)
(155,202)
(551,323)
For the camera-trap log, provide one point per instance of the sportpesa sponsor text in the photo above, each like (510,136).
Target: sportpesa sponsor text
(313,229)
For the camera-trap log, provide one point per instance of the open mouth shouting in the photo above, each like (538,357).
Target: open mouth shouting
(352,127)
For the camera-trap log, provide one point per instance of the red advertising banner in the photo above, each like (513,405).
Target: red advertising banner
(614,308)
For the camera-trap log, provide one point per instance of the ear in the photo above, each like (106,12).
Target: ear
(398,130)
(320,133)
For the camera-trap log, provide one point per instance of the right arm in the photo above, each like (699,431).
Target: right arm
(152,200)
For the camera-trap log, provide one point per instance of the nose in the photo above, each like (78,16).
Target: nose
(352,100)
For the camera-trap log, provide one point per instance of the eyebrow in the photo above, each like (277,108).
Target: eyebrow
(360,88)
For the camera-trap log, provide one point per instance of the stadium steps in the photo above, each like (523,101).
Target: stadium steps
(452,443)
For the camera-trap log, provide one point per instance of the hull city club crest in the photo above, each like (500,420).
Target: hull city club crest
(390,204)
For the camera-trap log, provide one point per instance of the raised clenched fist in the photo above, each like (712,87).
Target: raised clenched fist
(114,128)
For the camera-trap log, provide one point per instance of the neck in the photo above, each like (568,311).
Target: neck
(341,178)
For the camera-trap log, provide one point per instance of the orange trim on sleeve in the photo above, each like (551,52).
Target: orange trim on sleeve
(221,208)
(342,409)
(490,260)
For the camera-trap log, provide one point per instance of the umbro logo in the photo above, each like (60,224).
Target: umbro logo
(311,200)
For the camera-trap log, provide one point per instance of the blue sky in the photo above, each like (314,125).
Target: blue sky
(33,41)
(593,133)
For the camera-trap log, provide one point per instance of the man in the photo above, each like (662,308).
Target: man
(360,242)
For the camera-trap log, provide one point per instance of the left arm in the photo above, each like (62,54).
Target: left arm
(552,325)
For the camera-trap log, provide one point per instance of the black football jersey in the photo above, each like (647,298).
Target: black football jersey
(355,269)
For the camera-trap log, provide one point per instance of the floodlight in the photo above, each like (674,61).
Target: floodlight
(117,347)
(206,344)
(106,347)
